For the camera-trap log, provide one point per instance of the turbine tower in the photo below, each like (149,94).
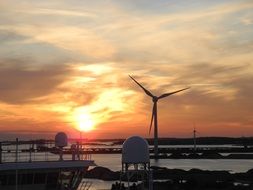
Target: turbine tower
(154,112)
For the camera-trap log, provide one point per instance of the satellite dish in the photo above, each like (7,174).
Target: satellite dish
(135,150)
(61,140)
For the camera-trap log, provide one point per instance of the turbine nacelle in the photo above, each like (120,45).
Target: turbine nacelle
(155,99)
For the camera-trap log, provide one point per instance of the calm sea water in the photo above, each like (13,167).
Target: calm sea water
(113,161)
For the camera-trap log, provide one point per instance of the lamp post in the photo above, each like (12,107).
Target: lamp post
(81,145)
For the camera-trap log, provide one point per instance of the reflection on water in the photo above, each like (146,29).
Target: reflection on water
(99,184)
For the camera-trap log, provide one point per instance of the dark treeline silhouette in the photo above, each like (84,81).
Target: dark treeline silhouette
(242,141)
(200,140)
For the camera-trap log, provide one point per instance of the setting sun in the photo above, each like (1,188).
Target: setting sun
(84,121)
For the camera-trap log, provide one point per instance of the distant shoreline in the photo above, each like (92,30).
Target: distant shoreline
(242,141)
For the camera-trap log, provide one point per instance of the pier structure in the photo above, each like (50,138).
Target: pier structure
(169,150)
(40,150)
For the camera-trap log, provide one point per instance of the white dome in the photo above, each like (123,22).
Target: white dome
(61,139)
(135,150)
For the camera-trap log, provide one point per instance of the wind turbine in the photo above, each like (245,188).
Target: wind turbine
(195,132)
(154,112)
(194,138)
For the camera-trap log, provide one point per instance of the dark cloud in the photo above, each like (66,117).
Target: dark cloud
(244,86)
(20,83)
(20,46)
(9,36)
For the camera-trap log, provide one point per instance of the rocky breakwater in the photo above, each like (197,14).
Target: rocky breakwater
(165,178)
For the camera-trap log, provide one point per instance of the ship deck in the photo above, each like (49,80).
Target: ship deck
(30,165)
(64,164)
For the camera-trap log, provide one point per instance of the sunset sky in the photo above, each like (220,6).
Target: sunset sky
(64,66)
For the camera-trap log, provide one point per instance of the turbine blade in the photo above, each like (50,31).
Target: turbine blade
(170,93)
(145,90)
(152,118)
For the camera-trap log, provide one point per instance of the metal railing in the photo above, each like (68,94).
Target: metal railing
(31,151)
